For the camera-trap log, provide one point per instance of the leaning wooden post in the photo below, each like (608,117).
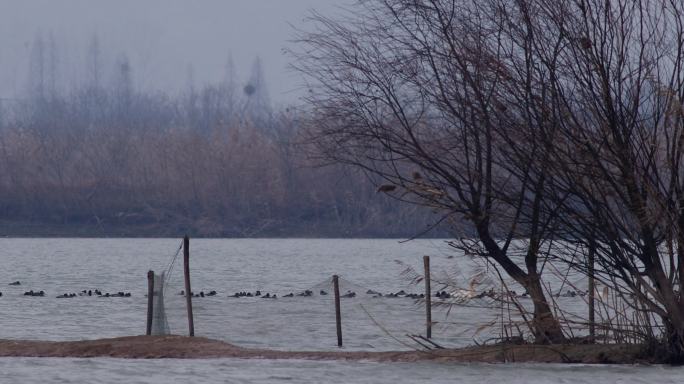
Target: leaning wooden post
(338,316)
(592,289)
(428,299)
(150,301)
(188,291)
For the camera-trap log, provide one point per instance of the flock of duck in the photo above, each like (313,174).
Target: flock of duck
(88,292)
(347,294)
(459,294)
(201,294)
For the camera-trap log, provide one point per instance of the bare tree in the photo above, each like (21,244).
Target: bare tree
(618,91)
(410,91)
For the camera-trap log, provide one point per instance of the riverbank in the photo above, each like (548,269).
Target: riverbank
(158,347)
(206,229)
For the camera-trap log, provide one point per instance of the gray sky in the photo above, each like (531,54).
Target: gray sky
(165,40)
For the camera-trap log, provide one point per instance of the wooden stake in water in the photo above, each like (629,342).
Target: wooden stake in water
(338,316)
(150,301)
(428,299)
(188,291)
(592,289)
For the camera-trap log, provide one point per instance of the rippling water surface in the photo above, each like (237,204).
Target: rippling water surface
(103,370)
(227,266)
(271,265)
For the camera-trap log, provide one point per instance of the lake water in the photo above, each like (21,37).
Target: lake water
(103,370)
(271,265)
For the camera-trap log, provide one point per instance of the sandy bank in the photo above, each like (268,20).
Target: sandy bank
(147,347)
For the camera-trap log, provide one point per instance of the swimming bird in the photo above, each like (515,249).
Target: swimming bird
(467,294)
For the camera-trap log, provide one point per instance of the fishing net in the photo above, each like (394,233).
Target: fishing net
(160,326)
(372,317)
(165,283)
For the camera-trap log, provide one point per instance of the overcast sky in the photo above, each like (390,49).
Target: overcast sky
(165,40)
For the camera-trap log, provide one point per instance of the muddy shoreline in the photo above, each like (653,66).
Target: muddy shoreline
(158,347)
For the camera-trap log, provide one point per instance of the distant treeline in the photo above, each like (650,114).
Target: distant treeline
(102,160)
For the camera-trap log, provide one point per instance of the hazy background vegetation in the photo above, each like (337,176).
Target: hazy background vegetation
(103,155)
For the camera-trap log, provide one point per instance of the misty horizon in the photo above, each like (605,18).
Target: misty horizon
(169,45)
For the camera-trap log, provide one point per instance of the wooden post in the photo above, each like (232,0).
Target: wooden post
(188,291)
(150,301)
(338,316)
(592,289)
(428,299)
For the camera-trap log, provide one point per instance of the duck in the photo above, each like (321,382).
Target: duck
(349,294)
(491,294)
(15,283)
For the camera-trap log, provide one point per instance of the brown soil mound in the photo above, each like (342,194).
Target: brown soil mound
(146,347)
